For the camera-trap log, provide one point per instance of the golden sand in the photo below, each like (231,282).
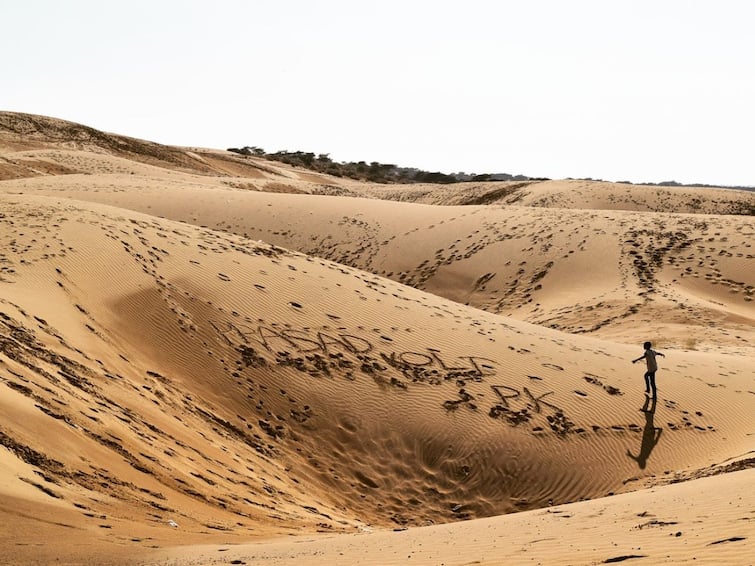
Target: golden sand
(208,358)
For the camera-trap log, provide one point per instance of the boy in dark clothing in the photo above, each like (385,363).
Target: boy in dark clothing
(649,357)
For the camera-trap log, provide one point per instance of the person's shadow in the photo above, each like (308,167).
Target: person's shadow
(650,435)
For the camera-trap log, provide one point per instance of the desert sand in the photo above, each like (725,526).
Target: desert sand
(210,358)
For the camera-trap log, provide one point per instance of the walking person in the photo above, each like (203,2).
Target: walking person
(652,365)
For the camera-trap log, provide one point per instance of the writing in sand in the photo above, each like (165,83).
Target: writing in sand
(322,353)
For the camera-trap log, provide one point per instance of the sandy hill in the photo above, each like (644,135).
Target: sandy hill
(612,260)
(204,348)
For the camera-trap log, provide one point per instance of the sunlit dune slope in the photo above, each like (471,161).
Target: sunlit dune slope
(686,279)
(584,257)
(573,194)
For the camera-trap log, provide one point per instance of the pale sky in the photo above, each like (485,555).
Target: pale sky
(634,90)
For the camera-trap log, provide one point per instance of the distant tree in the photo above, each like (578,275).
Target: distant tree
(334,170)
(375,172)
(483,177)
(306,158)
(247,150)
(434,177)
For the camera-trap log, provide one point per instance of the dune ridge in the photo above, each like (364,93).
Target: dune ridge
(188,358)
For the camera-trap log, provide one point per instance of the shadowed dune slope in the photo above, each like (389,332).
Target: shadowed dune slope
(39,145)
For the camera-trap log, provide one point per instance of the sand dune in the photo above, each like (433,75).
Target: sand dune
(619,274)
(202,348)
(696,522)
